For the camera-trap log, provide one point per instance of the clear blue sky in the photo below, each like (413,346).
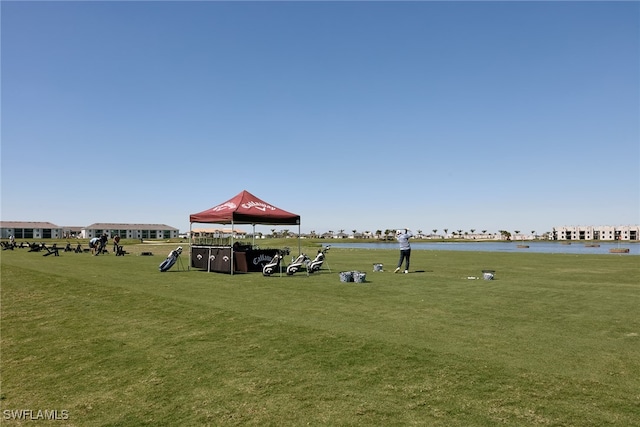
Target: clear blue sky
(355,115)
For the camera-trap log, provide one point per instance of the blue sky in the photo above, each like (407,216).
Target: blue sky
(355,115)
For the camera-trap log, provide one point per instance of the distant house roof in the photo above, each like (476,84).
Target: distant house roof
(27,224)
(117,226)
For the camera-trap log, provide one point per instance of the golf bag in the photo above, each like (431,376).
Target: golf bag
(171,259)
(296,264)
(273,266)
(315,265)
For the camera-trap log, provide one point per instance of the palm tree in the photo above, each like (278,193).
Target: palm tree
(446,230)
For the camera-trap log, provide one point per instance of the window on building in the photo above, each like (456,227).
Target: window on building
(46,233)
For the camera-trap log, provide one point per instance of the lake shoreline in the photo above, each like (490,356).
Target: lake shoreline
(582,247)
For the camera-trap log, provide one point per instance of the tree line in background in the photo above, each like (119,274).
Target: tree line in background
(389,234)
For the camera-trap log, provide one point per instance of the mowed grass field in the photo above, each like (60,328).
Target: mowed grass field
(110,341)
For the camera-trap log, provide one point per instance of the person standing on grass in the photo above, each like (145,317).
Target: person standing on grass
(403,237)
(116,241)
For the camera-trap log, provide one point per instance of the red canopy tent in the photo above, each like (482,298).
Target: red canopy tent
(245,208)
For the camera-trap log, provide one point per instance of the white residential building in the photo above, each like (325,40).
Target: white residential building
(590,232)
(45,230)
(30,230)
(131,231)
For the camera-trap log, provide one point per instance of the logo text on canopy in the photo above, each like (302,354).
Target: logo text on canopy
(224,206)
(260,206)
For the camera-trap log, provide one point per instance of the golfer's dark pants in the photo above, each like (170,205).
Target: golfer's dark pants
(405,254)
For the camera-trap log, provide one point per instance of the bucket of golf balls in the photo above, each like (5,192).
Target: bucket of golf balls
(359,276)
(488,274)
(346,276)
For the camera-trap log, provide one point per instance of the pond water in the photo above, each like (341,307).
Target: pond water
(537,247)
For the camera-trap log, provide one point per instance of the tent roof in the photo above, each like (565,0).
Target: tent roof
(245,208)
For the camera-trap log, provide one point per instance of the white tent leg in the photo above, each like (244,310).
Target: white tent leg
(190,233)
(232,237)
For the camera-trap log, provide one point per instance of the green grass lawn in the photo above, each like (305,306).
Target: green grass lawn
(111,341)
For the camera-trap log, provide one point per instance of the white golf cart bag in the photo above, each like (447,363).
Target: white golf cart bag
(296,264)
(318,261)
(272,266)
